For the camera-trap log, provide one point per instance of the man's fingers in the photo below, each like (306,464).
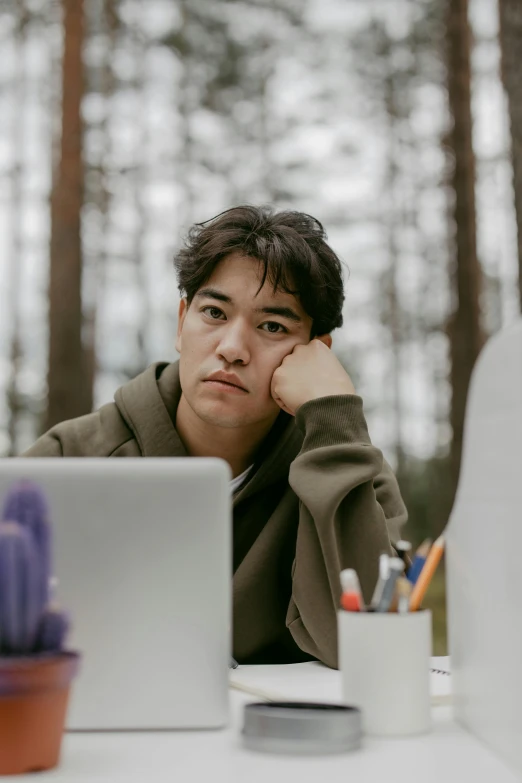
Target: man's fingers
(283,406)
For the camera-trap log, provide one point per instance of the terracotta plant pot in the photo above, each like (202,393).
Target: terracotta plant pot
(34,692)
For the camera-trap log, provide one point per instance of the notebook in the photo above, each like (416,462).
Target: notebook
(314,682)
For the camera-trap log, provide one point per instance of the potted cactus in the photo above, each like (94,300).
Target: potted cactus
(35,670)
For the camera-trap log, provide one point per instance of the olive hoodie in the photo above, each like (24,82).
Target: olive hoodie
(318,498)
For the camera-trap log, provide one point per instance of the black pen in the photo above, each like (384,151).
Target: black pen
(402,548)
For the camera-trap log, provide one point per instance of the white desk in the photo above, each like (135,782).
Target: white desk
(447,755)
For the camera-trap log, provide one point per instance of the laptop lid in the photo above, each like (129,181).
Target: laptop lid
(142,552)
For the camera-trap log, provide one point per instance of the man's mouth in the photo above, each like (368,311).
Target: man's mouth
(225,380)
(226,386)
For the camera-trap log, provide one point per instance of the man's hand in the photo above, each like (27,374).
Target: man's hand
(309,372)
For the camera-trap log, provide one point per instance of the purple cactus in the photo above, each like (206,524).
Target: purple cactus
(28,624)
(26,504)
(22,600)
(53,629)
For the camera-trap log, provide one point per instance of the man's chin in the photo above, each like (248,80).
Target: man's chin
(222,414)
(223,419)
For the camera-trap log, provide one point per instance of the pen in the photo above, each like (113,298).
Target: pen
(418,561)
(402,548)
(233,664)
(404,588)
(426,575)
(396,567)
(351,597)
(384,572)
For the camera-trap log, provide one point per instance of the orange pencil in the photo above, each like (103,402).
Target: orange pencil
(426,575)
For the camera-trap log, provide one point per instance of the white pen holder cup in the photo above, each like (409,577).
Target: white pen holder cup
(384,660)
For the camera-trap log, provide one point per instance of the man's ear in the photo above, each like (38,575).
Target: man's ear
(326,339)
(183,307)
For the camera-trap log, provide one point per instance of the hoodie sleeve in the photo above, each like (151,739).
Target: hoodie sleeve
(350,511)
(48,445)
(99,434)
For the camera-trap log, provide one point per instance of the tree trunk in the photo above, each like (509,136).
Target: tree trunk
(465,333)
(70,393)
(392,316)
(510,12)
(16,222)
(139,186)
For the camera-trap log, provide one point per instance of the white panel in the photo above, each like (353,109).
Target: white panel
(484,559)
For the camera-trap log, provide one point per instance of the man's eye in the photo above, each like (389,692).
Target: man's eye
(279,328)
(212,312)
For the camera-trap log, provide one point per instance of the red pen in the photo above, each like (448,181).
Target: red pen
(351,597)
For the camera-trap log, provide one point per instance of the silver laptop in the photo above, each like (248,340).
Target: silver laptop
(143,561)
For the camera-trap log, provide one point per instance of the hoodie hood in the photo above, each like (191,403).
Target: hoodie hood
(149,402)
(145,413)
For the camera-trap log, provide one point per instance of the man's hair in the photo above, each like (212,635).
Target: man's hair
(291,246)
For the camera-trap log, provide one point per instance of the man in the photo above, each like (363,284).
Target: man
(258,385)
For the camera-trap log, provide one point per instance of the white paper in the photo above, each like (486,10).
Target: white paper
(315,682)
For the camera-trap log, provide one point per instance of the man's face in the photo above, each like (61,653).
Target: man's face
(229,328)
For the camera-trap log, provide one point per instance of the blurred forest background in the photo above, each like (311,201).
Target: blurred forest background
(397,123)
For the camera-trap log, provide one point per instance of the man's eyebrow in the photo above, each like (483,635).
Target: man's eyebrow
(283,312)
(212,293)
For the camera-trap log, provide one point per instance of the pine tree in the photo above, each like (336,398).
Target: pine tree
(69,389)
(464,329)
(17,175)
(510,12)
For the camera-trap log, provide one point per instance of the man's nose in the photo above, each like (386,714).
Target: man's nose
(233,347)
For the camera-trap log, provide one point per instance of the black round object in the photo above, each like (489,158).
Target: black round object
(301,727)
